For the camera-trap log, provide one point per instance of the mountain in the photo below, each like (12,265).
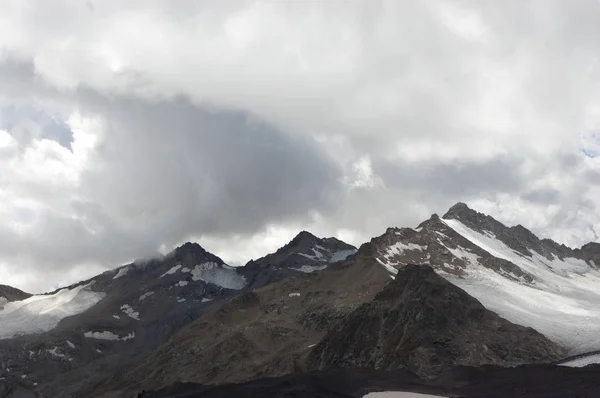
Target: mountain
(529,281)
(425,324)
(73,337)
(69,338)
(264,332)
(305,253)
(315,302)
(308,321)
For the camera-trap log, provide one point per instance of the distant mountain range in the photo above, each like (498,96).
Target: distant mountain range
(462,289)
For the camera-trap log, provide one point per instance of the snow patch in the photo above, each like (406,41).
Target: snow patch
(294,295)
(171,271)
(181,283)
(127,310)
(317,256)
(42,313)
(180,300)
(116,317)
(341,255)
(307,269)
(122,272)
(206,300)
(400,248)
(54,352)
(109,336)
(70,344)
(145,296)
(220,275)
(393,271)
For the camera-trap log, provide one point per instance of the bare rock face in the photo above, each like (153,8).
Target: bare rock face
(591,252)
(12,294)
(423,323)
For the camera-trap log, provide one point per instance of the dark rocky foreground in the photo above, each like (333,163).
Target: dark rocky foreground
(531,381)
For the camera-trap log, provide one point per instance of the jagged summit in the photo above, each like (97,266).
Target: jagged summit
(305,249)
(305,253)
(193,252)
(303,236)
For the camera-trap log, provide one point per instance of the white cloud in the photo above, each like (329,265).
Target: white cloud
(240,122)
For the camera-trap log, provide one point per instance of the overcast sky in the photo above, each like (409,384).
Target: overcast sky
(128,127)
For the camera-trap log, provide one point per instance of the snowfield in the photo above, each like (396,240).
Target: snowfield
(41,313)
(581,362)
(220,275)
(562,302)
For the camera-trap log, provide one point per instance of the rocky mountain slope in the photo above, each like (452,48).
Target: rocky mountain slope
(420,322)
(265,332)
(425,324)
(62,341)
(8,293)
(529,281)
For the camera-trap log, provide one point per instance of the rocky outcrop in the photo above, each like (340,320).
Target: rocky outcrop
(12,294)
(591,252)
(423,323)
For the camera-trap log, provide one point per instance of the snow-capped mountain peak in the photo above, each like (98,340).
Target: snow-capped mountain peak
(529,281)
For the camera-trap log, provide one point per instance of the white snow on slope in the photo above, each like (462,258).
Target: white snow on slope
(335,257)
(171,271)
(220,275)
(110,336)
(41,313)
(122,272)
(581,362)
(341,255)
(145,296)
(317,256)
(400,248)
(308,269)
(55,353)
(562,304)
(393,271)
(127,310)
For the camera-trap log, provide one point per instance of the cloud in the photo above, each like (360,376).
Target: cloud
(127,128)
